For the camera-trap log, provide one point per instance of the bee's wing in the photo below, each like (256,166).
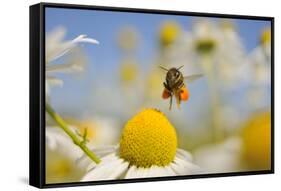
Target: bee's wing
(191,78)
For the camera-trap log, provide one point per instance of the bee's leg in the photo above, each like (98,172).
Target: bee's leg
(171,102)
(166,86)
(178,99)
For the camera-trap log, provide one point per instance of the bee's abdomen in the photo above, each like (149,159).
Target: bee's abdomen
(179,83)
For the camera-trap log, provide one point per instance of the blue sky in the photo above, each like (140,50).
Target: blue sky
(104,26)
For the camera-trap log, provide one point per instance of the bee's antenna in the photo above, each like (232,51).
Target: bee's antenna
(162,67)
(180,67)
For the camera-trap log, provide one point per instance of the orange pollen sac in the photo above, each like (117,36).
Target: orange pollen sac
(184,94)
(166,94)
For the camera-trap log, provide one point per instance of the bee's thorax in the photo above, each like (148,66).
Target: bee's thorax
(174,79)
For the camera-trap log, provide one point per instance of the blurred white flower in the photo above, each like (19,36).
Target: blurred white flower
(216,47)
(56,47)
(260,62)
(128,38)
(248,150)
(220,157)
(61,156)
(100,130)
(59,147)
(260,59)
(219,49)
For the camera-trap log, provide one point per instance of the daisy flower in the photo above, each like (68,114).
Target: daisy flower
(260,63)
(250,150)
(128,39)
(129,72)
(219,49)
(168,34)
(148,148)
(256,139)
(216,48)
(220,157)
(63,158)
(100,130)
(56,48)
(260,59)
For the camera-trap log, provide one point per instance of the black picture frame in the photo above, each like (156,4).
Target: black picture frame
(37,94)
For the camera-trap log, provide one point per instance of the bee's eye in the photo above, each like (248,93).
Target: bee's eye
(177,74)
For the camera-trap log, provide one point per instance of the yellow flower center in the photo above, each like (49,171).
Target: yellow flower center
(257,141)
(154,86)
(227,24)
(205,46)
(148,139)
(128,38)
(168,33)
(128,71)
(265,37)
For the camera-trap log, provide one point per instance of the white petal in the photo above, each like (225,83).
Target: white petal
(182,167)
(135,172)
(177,169)
(151,171)
(105,149)
(61,48)
(184,155)
(65,68)
(100,151)
(61,142)
(105,170)
(53,81)
(145,172)
(169,171)
(58,51)
(107,158)
(131,172)
(82,38)
(156,171)
(51,142)
(56,35)
(53,41)
(119,171)
(140,173)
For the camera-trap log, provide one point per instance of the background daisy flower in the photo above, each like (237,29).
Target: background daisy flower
(259,60)
(57,47)
(61,157)
(220,157)
(248,150)
(99,132)
(169,33)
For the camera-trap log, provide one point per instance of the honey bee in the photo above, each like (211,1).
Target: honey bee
(175,86)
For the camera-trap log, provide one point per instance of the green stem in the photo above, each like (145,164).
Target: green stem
(76,140)
(210,72)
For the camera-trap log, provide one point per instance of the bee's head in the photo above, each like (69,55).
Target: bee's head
(173,74)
